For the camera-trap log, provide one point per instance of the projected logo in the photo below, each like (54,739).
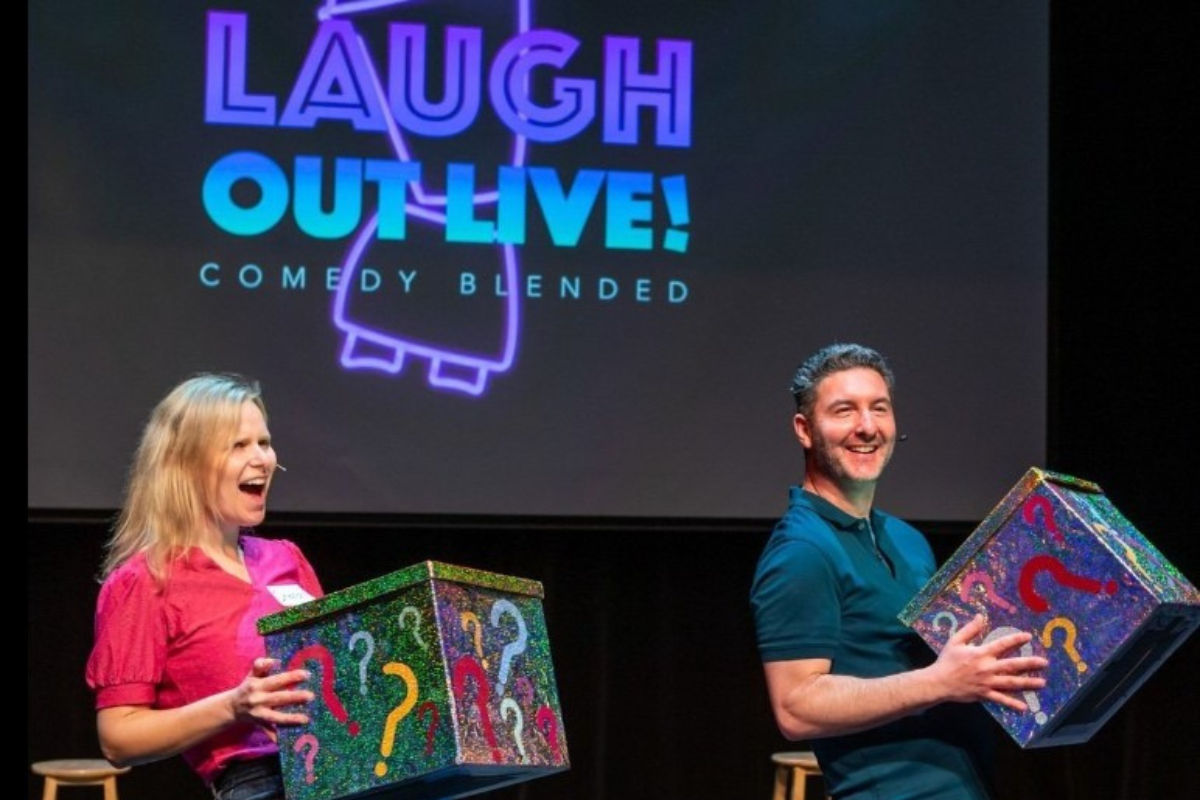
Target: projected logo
(340,83)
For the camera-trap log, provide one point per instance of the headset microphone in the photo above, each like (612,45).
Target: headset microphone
(280,468)
(902,438)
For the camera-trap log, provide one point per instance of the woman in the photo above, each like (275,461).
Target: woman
(178,666)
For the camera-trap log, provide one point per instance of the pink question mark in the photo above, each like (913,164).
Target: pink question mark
(321,654)
(431,708)
(982,578)
(1061,575)
(465,665)
(309,741)
(524,689)
(1030,508)
(548,724)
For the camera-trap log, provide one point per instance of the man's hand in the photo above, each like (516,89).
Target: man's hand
(972,672)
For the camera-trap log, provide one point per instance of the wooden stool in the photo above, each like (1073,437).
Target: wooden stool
(792,771)
(79,772)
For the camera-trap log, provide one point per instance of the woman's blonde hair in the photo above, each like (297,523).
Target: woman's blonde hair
(170,487)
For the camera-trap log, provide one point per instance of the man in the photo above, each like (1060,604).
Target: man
(887,719)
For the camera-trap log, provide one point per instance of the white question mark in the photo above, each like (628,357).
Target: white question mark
(512,648)
(951,628)
(363,636)
(1031,698)
(507,705)
(415,613)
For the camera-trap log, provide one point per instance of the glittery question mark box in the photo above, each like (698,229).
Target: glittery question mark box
(1057,559)
(434,681)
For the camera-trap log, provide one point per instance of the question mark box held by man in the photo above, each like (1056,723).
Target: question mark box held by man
(434,681)
(1057,559)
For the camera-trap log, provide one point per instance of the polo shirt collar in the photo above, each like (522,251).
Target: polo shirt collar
(831,513)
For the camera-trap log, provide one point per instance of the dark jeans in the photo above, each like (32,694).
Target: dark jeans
(258,779)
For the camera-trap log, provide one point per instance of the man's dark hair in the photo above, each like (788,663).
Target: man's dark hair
(831,359)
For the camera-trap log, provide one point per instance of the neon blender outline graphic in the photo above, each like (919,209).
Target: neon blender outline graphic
(367,347)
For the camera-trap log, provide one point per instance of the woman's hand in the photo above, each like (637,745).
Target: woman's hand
(268,699)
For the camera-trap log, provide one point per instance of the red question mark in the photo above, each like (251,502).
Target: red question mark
(430,707)
(320,653)
(1061,575)
(311,741)
(1030,508)
(461,668)
(548,723)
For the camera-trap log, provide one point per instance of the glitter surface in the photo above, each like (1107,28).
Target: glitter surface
(434,681)
(1056,559)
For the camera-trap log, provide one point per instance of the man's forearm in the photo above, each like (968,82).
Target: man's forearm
(832,705)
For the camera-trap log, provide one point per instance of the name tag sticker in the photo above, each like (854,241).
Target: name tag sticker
(289,594)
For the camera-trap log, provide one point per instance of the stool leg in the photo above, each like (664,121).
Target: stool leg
(781,782)
(799,784)
(50,791)
(110,788)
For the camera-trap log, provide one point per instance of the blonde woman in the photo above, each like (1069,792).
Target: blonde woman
(178,667)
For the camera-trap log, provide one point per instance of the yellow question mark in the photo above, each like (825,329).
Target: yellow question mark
(469,618)
(1068,640)
(398,713)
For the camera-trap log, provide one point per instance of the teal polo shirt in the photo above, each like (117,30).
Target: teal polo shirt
(825,587)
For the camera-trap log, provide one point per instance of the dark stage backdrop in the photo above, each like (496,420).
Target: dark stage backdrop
(538,257)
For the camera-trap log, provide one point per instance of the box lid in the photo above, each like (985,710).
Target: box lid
(372,590)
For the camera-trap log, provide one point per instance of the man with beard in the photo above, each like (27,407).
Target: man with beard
(886,718)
